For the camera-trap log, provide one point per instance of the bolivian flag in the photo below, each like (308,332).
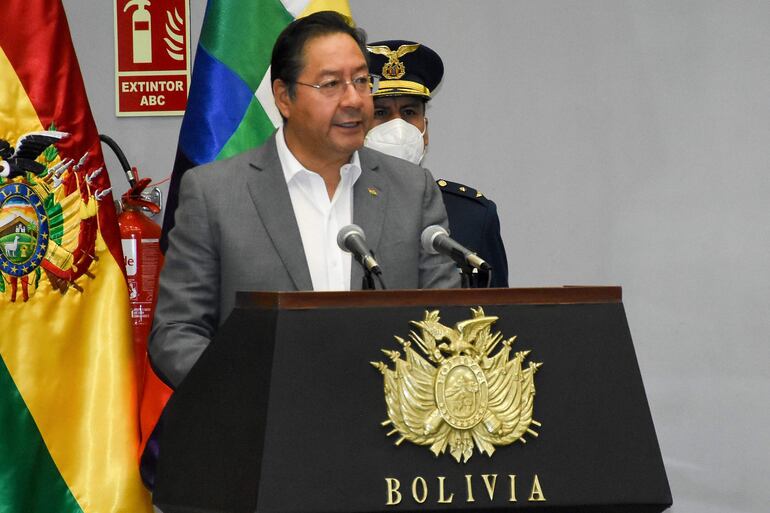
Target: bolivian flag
(230,108)
(68,423)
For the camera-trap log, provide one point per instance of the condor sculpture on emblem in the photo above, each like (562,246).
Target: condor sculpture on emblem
(465,391)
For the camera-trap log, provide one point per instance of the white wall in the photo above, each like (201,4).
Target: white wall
(625,142)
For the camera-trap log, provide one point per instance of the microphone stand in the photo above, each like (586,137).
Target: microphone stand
(471,278)
(467,280)
(368,279)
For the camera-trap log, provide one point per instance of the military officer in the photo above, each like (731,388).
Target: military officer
(410,73)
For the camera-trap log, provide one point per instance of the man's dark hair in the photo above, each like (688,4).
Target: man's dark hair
(288,60)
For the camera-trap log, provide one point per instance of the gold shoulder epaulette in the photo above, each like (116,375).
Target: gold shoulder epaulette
(458,189)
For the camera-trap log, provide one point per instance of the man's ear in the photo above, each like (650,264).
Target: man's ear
(425,135)
(282,99)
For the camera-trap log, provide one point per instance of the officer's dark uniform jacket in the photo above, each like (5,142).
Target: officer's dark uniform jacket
(473,222)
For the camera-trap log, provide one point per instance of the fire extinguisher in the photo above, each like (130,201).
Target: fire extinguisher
(143,259)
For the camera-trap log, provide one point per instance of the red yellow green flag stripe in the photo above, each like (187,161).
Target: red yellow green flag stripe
(68,422)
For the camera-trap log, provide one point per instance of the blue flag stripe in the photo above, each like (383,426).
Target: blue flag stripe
(217,103)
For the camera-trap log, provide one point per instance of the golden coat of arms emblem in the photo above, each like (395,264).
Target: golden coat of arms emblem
(463,391)
(49,225)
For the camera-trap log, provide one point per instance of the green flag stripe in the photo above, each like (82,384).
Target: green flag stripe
(252,28)
(254,129)
(29,479)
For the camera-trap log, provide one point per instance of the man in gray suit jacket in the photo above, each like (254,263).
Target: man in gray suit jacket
(256,221)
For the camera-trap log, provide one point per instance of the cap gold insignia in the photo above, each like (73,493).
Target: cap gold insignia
(459,395)
(373,191)
(393,69)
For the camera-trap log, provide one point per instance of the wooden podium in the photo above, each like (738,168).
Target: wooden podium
(284,411)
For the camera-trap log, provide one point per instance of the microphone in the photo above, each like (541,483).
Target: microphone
(435,239)
(351,239)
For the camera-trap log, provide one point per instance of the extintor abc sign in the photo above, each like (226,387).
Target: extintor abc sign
(152,57)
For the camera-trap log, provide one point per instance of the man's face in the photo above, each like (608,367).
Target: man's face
(323,127)
(409,108)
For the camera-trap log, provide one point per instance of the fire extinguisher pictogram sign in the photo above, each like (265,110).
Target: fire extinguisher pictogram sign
(152,57)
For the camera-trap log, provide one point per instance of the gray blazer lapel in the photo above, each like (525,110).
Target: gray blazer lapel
(370,197)
(268,190)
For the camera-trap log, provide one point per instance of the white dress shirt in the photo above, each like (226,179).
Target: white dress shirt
(319,218)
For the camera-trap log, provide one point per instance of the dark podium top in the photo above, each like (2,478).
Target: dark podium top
(435,297)
(284,413)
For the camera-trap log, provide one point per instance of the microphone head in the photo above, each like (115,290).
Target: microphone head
(429,234)
(347,231)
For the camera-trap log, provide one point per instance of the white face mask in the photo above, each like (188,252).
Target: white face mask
(399,139)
